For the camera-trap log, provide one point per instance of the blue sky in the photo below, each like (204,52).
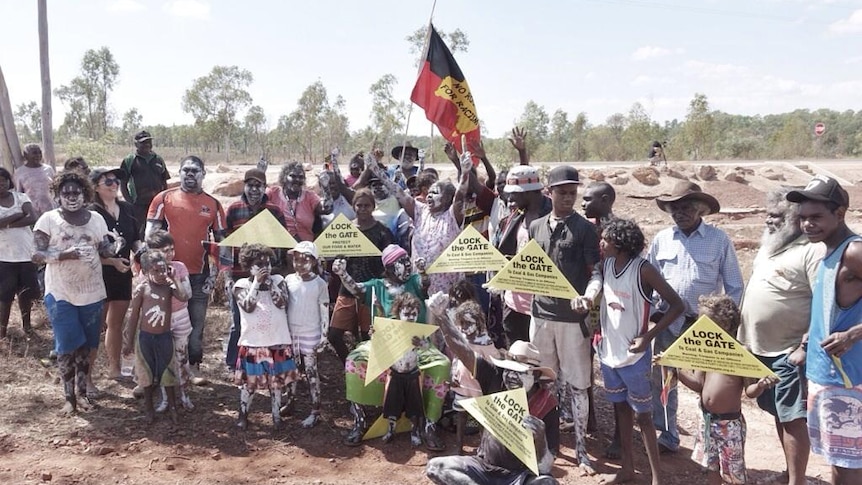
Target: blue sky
(595,56)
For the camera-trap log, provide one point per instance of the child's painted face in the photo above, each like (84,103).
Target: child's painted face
(158,272)
(468,324)
(303,263)
(262,264)
(516,380)
(71,197)
(409,313)
(402,269)
(168,251)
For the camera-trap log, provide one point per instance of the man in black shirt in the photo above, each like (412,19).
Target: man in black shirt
(146,175)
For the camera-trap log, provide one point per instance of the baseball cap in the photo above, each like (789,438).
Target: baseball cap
(142,136)
(822,189)
(100,172)
(522,178)
(255,174)
(564,174)
(305,247)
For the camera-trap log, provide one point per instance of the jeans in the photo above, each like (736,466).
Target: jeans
(198,315)
(233,336)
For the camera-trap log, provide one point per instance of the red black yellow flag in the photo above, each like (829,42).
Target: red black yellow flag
(443,93)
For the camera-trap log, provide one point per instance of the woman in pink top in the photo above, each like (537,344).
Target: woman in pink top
(301,207)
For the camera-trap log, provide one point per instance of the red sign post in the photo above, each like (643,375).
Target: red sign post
(819,129)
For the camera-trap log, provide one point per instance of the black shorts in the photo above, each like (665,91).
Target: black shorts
(403,394)
(18,279)
(118,286)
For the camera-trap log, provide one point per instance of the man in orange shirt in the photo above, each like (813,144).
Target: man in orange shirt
(191,216)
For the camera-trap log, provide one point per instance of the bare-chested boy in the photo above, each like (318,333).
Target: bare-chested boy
(148,331)
(720,444)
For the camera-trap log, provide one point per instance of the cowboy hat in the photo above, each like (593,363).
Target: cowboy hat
(523,357)
(685,190)
(396,152)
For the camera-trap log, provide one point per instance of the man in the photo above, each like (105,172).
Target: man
(598,203)
(405,168)
(776,309)
(146,175)
(252,202)
(696,259)
(525,196)
(191,216)
(494,463)
(558,331)
(834,352)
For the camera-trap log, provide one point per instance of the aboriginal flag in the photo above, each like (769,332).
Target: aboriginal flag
(443,93)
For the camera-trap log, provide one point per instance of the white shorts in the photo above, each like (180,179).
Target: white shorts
(564,348)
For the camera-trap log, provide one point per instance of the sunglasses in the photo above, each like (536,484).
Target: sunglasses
(110,181)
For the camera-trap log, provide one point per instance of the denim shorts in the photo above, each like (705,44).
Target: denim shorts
(74,326)
(630,384)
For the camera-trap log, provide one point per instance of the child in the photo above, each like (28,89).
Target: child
(308,317)
(150,326)
(470,319)
(265,360)
(624,344)
(34,179)
(181,324)
(720,445)
(403,390)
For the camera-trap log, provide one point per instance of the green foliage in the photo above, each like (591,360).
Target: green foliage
(86,96)
(28,122)
(95,152)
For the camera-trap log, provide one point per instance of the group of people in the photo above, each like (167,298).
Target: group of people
(635,300)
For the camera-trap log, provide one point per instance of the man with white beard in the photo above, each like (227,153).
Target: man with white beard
(776,309)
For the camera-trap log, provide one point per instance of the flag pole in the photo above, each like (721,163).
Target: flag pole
(423,54)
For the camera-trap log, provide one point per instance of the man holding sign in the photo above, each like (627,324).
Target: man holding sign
(494,463)
(560,333)
(834,357)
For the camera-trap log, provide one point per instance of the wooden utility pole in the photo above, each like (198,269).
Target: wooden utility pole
(10,147)
(47,112)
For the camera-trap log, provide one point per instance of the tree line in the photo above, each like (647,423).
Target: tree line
(227,121)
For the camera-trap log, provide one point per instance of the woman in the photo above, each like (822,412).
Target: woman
(301,207)
(119,218)
(350,314)
(70,241)
(17,272)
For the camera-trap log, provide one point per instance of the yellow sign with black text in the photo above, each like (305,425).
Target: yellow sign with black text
(342,238)
(470,252)
(264,229)
(707,347)
(391,339)
(501,414)
(532,271)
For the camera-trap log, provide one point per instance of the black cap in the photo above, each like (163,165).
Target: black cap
(143,136)
(100,172)
(564,174)
(821,189)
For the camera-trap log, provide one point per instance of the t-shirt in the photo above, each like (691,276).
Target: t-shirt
(191,218)
(266,326)
(180,271)
(76,281)
(124,225)
(364,268)
(145,177)
(298,213)
(386,295)
(36,183)
(432,234)
(17,242)
(304,309)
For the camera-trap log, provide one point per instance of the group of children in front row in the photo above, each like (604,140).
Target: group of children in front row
(271,338)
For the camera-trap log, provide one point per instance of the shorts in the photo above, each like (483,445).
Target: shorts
(403,395)
(350,312)
(630,384)
(720,446)
(835,424)
(787,400)
(270,368)
(155,360)
(118,286)
(74,326)
(564,349)
(18,279)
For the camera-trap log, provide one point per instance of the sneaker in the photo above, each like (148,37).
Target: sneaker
(186,402)
(162,407)
(432,440)
(415,437)
(354,437)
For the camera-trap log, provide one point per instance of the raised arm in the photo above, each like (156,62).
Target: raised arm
(339,268)
(455,339)
(519,142)
(407,202)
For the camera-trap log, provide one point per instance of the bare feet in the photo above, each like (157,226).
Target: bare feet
(69,409)
(174,418)
(587,468)
(150,417)
(622,477)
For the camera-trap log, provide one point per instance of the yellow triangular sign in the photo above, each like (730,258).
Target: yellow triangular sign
(381,425)
(532,271)
(391,339)
(470,252)
(707,347)
(501,414)
(342,238)
(264,229)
